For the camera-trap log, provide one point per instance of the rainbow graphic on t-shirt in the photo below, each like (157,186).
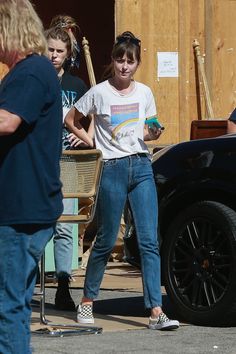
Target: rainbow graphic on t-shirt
(123,115)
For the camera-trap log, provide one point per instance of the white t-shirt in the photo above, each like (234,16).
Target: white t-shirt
(119,119)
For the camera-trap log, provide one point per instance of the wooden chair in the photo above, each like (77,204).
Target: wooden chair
(201,129)
(80,175)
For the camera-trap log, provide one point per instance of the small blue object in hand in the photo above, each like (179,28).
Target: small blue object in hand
(153,123)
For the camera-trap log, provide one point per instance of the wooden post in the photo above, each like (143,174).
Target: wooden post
(196,48)
(89,64)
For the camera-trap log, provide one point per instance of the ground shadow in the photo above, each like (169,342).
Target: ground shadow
(130,306)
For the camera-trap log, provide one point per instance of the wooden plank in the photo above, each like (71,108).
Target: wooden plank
(201,129)
(220,55)
(191,26)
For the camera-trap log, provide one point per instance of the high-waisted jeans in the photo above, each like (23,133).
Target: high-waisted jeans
(129,177)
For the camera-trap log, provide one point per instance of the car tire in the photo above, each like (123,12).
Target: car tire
(199,264)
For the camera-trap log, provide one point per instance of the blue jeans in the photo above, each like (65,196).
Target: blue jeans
(63,242)
(130,177)
(21,247)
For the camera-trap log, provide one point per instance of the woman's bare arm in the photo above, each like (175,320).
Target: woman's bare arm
(72,121)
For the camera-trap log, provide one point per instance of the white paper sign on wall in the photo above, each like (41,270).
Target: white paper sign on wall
(167,64)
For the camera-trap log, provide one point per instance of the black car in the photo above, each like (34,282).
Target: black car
(196,183)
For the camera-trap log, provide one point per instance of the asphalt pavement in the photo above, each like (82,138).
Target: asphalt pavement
(120,313)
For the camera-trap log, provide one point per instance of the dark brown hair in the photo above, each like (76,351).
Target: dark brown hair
(126,43)
(69,25)
(66,22)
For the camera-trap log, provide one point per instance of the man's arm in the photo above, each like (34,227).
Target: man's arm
(231,127)
(8,122)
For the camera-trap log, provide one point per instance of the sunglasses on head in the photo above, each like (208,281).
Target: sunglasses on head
(123,39)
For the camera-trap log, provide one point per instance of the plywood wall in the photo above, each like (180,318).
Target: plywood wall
(168,26)
(3,70)
(171,26)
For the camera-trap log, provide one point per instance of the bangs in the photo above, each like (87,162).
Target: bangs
(129,50)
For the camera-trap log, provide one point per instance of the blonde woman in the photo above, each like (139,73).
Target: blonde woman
(30,149)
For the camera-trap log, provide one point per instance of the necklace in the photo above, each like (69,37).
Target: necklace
(60,79)
(123,91)
(60,74)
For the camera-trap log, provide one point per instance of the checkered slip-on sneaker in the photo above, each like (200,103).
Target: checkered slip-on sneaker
(162,322)
(85,313)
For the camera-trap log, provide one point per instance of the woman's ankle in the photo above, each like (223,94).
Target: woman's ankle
(86,300)
(156,311)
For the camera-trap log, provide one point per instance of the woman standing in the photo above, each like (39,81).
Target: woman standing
(61,50)
(120,106)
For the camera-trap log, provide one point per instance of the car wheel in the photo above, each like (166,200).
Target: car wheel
(199,264)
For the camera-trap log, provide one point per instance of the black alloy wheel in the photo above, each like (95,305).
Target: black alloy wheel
(199,264)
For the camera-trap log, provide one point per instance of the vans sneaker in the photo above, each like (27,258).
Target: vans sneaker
(162,322)
(85,313)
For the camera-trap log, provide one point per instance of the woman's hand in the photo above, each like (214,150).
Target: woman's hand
(79,135)
(75,141)
(151,133)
